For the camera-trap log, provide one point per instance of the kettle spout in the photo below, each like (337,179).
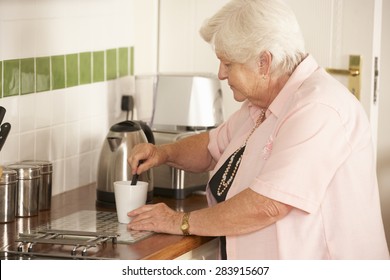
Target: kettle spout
(114,143)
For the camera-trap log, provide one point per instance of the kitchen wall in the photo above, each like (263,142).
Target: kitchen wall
(65,65)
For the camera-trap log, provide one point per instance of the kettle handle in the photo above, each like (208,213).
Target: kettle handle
(148,132)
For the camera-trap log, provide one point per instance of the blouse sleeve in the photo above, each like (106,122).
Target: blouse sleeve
(308,147)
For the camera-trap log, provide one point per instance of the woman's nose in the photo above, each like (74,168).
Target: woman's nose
(222,73)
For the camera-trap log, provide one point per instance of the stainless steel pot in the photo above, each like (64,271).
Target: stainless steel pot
(27,191)
(8,183)
(45,184)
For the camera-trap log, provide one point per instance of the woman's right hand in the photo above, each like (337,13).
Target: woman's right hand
(145,156)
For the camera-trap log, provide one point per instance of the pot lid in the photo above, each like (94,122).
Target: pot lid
(126,126)
(9,176)
(46,166)
(26,171)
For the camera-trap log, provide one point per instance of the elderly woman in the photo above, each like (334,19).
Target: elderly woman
(293,170)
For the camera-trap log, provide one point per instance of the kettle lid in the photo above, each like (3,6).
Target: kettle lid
(125,126)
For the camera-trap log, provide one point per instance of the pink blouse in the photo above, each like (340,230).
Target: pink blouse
(314,152)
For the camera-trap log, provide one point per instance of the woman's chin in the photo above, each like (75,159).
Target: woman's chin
(239,97)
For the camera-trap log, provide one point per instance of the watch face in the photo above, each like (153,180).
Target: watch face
(184,227)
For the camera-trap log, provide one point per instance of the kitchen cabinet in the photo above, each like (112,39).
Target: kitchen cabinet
(207,251)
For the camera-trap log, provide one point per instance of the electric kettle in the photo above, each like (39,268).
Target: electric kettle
(113,165)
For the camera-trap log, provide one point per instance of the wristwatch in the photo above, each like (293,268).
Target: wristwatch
(185,226)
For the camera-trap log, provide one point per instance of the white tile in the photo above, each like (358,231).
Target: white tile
(98,100)
(85,168)
(16,9)
(72,136)
(99,131)
(27,145)
(100,7)
(11,104)
(27,112)
(11,39)
(113,97)
(44,109)
(85,100)
(50,37)
(10,152)
(72,104)
(43,144)
(72,31)
(84,32)
(58,177)
(124,25)
(50,8)
(28,38)
(1,36)
(95,155)
(58,142)
(72,167)
(59,107)
(85,135)
(101,35)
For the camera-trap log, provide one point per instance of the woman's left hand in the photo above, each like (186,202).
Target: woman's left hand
(155,217)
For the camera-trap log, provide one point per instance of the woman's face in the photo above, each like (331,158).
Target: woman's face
(246,81)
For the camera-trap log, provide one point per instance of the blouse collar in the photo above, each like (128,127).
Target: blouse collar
(300,74)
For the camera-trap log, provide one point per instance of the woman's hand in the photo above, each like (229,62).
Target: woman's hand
(156,217)
(145,156)
(189,154)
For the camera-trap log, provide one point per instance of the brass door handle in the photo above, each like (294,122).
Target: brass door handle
(353,73)
(343,72)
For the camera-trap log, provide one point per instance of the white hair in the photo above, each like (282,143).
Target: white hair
(243,29)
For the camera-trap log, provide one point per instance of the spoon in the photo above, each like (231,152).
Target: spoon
(134,179)
(135,176)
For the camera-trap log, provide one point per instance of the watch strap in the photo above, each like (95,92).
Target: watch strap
(185,226)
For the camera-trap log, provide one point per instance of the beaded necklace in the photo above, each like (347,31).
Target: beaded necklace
(225,183)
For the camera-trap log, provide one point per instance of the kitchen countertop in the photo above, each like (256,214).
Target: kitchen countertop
(155,246)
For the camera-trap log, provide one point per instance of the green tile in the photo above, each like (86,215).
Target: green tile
(1,79)
(123,62)
(98,66)
(111,64)
(131,61)
(72,70)
(42,73)
(11,77)
(85,68)
(27,75)
(58,71)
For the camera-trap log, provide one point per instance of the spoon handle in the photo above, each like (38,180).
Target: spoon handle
(134,179)
(135,176)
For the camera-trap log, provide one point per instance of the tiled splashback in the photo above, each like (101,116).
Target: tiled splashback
(64,66)
(30,75)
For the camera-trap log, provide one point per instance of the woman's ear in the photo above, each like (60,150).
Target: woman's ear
(265,63)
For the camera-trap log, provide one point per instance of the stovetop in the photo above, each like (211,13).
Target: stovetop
(77,236)
(95,221)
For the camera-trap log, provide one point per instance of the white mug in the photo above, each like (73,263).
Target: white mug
(129,197)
